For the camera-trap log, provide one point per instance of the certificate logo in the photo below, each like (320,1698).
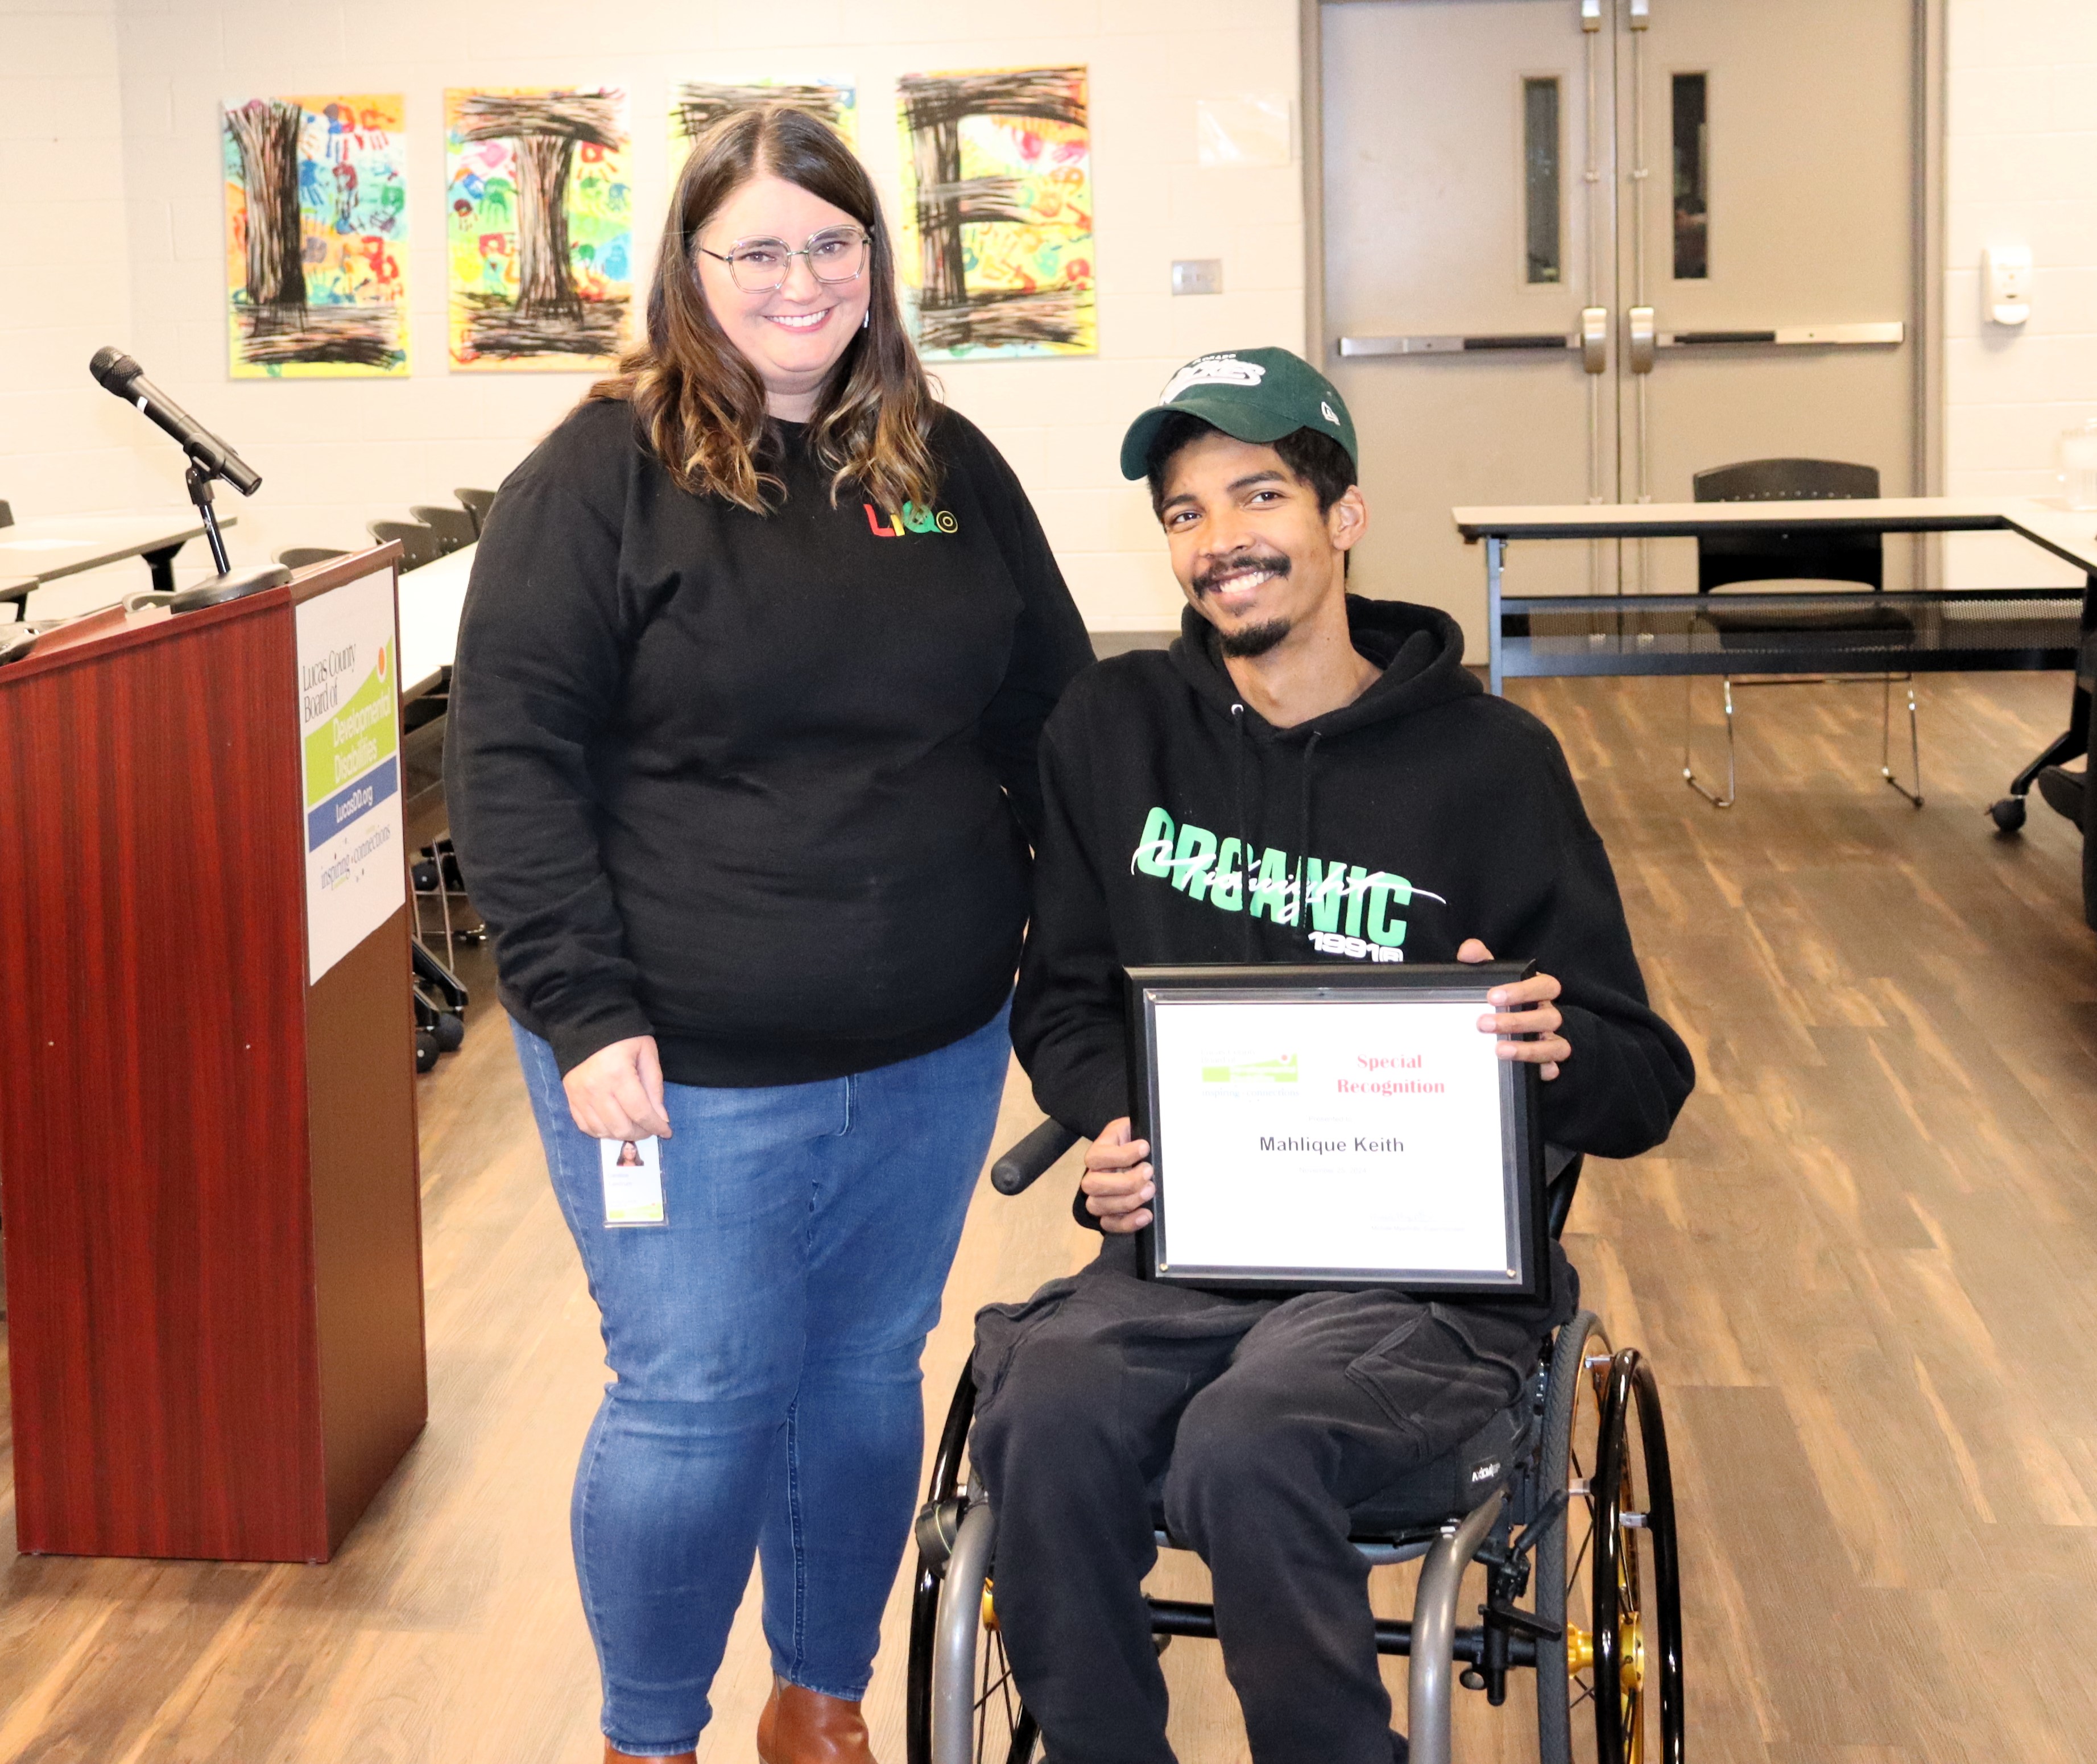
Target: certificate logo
(1277,1069)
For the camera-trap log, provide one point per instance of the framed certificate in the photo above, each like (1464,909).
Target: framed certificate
(1335,1127)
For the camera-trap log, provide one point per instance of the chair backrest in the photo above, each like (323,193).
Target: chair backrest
(418,545)
(299,556)
(476,503)
(1723,559)
(454,527)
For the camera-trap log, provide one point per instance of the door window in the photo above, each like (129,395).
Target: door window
(1540,165)
(1692,179)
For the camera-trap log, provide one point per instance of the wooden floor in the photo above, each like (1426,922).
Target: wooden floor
(1865,1268)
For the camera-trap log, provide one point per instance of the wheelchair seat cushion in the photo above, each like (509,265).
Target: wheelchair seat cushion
(1441,1489)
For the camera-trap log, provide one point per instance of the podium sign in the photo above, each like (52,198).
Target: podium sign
(1330,1127)
(349,750)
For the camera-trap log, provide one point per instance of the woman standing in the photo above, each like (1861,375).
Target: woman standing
(741,774)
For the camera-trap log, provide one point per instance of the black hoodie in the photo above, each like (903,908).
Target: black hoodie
(1182,827)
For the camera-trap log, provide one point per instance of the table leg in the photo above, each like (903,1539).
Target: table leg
(162,564)
(1493,548)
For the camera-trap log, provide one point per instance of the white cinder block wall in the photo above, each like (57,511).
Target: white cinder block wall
(65,285)
(111,230)
(2021,169)
(335,453)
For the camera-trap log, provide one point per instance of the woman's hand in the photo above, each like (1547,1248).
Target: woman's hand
(1524,1009)
(1117,1180)
(617,1092)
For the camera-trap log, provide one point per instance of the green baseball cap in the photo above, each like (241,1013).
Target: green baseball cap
(1256,395)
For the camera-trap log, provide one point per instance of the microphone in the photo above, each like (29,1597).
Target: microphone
(116,372)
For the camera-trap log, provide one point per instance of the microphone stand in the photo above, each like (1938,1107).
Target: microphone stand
(199,481)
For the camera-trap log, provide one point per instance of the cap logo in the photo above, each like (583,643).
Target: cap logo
(1213,370)
(1331,417)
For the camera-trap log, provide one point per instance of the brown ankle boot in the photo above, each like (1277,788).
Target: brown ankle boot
(804,1726)
(613,1755)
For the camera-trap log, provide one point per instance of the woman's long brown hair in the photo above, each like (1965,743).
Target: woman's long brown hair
(697,396)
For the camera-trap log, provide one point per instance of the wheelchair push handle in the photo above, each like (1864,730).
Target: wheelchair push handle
(1017,1169)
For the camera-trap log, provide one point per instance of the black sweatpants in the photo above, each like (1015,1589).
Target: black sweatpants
(1269,1419)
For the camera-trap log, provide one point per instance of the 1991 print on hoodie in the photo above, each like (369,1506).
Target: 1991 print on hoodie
(1182,827)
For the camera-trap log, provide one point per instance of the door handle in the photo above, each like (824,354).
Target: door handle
(1822,336)
(1595,338)
(1492,342)
(1639,320)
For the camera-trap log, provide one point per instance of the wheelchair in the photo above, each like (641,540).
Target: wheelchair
(1576,1533)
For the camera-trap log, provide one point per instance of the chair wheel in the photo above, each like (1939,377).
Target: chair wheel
(424,874)
(450,1031)
(425,1051)
(2007,813)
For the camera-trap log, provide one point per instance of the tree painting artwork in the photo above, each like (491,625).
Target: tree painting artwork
(540,229)
(997,213)
(316,236)
(696,105)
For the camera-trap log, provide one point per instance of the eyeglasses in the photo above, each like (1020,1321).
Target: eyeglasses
(761,266)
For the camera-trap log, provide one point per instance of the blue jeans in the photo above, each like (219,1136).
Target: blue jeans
(765,1339)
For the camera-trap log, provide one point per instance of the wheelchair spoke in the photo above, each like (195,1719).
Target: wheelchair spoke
(1572,1571)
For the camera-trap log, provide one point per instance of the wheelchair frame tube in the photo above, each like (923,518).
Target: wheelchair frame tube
(954,1641)
(1433,1664)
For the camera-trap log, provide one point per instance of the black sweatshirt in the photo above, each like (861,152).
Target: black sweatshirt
(761,786)
(1182,827)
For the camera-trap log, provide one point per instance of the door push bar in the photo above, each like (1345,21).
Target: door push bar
(1642,340)
(1591,339)
(1787,335)
(1498,343)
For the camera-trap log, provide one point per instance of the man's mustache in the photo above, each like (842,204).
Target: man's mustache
(1211,575)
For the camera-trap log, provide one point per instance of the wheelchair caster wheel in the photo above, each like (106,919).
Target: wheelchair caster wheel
(425,1051)
(449,1032)
(2007,813)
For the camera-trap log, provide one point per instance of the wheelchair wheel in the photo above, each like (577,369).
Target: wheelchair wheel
(963,1705)
(1608,1690)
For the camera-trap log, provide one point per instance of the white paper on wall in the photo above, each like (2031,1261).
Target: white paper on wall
(1233,132)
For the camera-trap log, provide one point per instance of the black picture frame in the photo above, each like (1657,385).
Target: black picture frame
(1521,1127)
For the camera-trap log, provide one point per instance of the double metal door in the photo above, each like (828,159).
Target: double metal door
(1577,250)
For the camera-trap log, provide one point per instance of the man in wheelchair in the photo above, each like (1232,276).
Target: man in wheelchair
(1305,775)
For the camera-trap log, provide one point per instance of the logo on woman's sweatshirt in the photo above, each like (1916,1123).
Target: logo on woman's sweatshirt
(1349,906)
(912,519)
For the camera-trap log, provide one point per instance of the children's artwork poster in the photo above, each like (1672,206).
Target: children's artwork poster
(539,228)
(316,235)
(996,250)
(696,105)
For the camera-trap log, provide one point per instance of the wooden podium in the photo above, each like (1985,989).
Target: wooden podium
(208,1181)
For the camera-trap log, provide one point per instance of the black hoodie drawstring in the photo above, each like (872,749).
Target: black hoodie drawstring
(1245,840)
(1303,832)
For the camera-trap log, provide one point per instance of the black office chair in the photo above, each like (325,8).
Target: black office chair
(476,503)
(300,557)
(454,527)
(1727,560)
(418,545)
